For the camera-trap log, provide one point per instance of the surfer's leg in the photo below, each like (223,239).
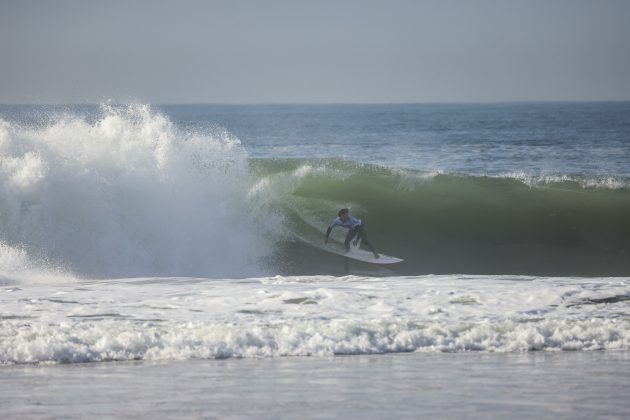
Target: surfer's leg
(364,240)
(351,234)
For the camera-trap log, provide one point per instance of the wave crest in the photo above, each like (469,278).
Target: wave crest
(127,194)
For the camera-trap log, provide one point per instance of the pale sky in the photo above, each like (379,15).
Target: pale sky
(291,51)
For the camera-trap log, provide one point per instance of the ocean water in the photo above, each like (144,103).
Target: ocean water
(574,385)
(168,234)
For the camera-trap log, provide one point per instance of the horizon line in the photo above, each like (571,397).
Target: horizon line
(505,102)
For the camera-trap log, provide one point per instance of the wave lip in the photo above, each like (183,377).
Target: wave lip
(558,180)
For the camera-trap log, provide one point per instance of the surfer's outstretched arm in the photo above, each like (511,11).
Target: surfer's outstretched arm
(327,234)
(334,223)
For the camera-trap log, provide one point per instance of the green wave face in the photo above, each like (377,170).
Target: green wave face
(448,223)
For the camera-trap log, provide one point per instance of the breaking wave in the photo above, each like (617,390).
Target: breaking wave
(456,223)
(126,194)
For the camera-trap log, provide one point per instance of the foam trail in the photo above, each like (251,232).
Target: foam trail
(127,194)
(179,318)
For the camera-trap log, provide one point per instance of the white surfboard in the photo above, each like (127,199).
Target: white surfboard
(355,253)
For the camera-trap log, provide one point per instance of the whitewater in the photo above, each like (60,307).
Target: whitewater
(186,318)
(125,195)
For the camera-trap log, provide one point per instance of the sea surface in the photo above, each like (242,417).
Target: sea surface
(162,240)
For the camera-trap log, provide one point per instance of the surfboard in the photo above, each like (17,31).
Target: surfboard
(356,253)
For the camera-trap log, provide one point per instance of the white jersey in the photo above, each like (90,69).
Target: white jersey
(350,223)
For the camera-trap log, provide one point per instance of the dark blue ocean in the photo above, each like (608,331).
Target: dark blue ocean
(534,138)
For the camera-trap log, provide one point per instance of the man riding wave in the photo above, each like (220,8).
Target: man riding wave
(355,227)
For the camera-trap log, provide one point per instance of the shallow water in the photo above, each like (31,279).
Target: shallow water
(557,385)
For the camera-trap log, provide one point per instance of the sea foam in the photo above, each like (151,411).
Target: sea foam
(125,194)
(189,318)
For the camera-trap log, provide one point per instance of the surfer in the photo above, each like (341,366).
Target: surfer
(355,227)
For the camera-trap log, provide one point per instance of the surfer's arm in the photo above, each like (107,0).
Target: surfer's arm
(334,223)
(330,228)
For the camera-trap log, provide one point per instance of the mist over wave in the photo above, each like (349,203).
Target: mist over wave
(126,194)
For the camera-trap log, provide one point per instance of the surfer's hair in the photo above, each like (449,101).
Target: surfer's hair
(342,211)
